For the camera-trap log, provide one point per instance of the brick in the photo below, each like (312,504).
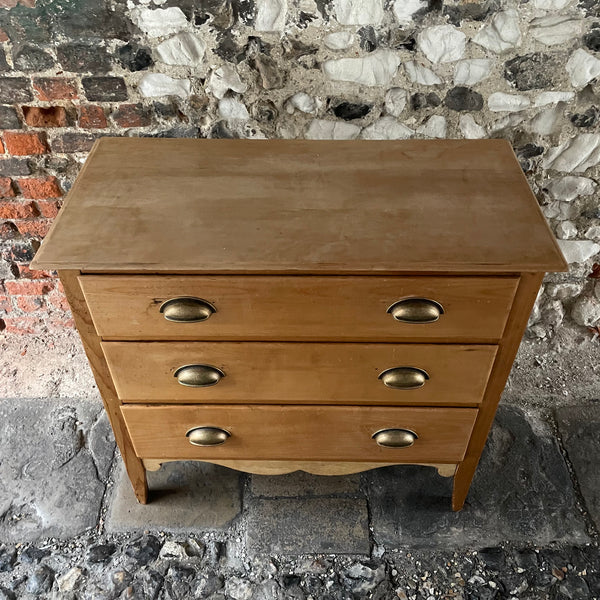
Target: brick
(1,147)
(31,58)
(50,116)
(83,58)
(17,210)
(24,325)
(59,300)
(49,208)
(73,142)
(5,305)
(37,228)
(91,116)
(3,36)
(15,89)
(15,166)
(105,89)
(26,273)
(28,287)
(6,188)
(40,188)
(132,115)
(55,88)
(30,303)
(59,287)
(9,118)
(24,144)
(58,324)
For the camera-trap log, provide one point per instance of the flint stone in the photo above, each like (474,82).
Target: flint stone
(105,89)
(158,84)
(586,312)
(367,38)
(502,33)
(358,12)
(386,128)
(158,22)
(578,251)
(582,67)
(270,15)
(471,71)
(378,68)
(182,49)
(56,461)
(575,155)
(501,102)
(419,100)
(546,98)
(555,29)
(463,99)
(15,89)
(531,71)
(435,127)
(395,101)
(545,122)
(8,557)
(271,75)
(592,39)
(551,4)
(404,10)
(566,230)
(321,129)
(521,491)
(100,553)
(222,80)
(302,102)
(9,118)
(420,74)
(134,58)
(40,581)
(588,118)
(30,58)
(70,580)
(339,40)
(350,111)
(232,109)
(578,427)
(470,129)
(442,43)
(563,291)
(570,187)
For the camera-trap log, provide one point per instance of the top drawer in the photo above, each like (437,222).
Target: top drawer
(299,308)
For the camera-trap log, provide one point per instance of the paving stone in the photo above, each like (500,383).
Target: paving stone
(184,496)
(578,427)
(307,526)
(521,492)
(303,484)
(49,485)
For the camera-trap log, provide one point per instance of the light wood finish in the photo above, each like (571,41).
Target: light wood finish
(91,344)
(280,467)
(299,308)
(268,372)
(524,300)
(301,206)
(320,433)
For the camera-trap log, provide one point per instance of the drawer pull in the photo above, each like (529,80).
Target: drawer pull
(416,310)
(207,436)
(187,309)
(198,375)
(404,378)
(395,438)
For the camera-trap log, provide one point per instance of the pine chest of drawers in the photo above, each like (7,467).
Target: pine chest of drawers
(282,305)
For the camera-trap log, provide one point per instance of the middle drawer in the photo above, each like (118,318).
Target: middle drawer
(300,373)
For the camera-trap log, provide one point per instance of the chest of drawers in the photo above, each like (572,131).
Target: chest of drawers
(282,305)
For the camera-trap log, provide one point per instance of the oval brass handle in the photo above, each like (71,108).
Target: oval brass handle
(198,375)
(416,310)
(395,438)
(187,309)
(207,436)
(404,378)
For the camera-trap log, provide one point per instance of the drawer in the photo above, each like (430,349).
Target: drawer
(263,372)
(298,308)
(337,433)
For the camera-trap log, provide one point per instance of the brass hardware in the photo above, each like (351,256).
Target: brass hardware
(207,436)
(404,378)
(395,438)
(187,309)
(416,310)
(198,375)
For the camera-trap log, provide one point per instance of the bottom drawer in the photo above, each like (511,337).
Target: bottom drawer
(319,433)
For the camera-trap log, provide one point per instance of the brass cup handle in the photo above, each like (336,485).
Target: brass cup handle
(207,436)
(395,438)
(186,309)
(404,378)
(416,310)
(198,375)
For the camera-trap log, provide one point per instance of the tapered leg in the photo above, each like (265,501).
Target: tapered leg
(91,344)
(529,285)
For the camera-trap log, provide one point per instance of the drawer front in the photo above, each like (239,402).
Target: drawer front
(299,372)
(297,308)
(300,432)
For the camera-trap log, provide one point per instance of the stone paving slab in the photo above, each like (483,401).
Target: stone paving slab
(293,526)
(522,492)
(184,496)
(300,483)
(54,459)
(579,427)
